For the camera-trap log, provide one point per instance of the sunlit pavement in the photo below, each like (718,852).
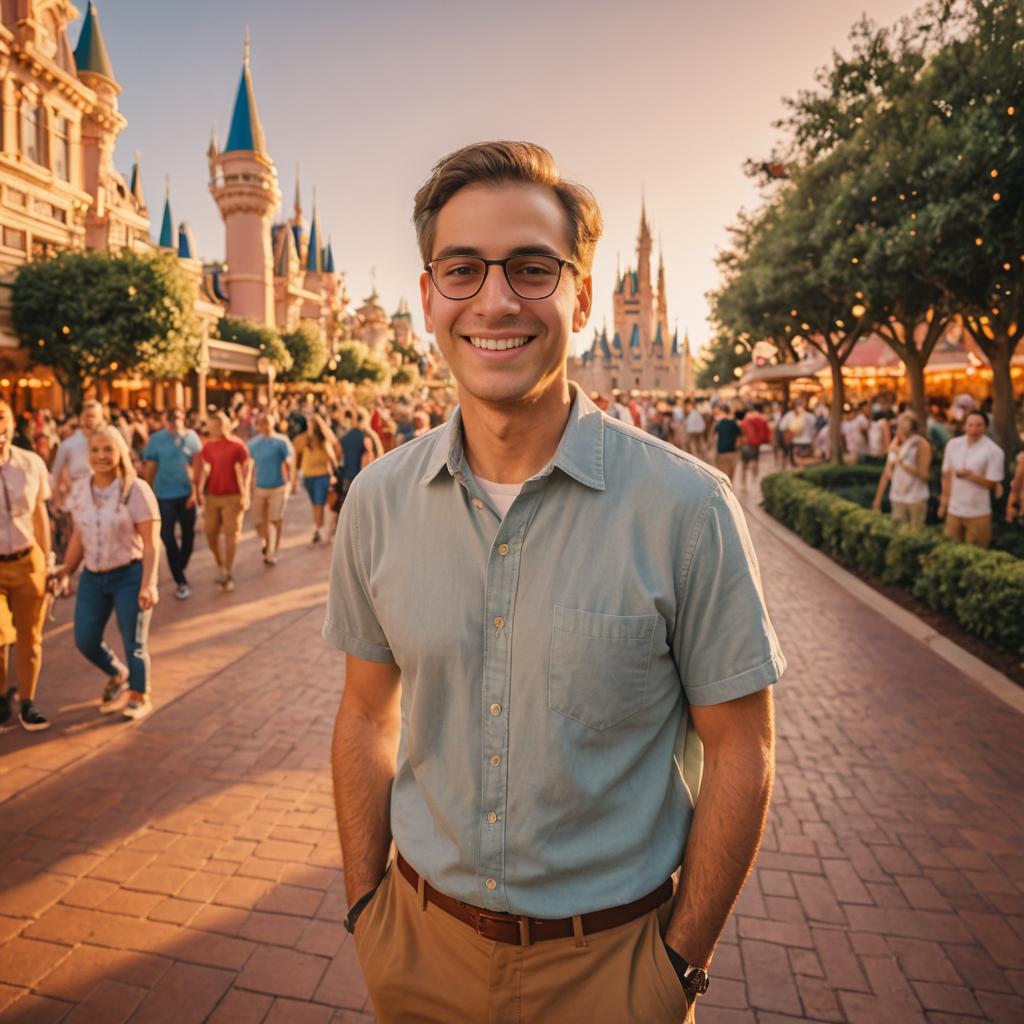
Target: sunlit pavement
(186,868)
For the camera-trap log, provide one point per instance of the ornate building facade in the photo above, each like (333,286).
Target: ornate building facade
(60,189)
(641,354)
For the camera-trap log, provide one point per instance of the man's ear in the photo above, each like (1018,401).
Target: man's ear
(426,295)
(584,301)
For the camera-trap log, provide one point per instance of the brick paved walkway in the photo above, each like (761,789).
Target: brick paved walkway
(186,868)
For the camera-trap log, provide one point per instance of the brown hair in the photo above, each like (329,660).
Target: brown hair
(497,162)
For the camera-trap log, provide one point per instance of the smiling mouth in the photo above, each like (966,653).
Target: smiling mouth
(499,344)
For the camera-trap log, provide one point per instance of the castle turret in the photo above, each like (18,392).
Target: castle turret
(101,126)
(243,182)
(167,238)
(645,286)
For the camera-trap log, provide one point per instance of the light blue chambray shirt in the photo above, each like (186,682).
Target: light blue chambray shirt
(549,659)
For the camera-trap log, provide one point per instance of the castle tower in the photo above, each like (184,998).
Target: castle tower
(662,295)
(243,182)
(100,129)
(645,285)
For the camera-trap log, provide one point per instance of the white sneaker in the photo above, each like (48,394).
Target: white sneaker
(136,709)
(228,585)
(183,592)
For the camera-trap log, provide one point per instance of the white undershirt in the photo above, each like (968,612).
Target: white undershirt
(500,495)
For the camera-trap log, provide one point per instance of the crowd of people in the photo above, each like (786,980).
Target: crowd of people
(733,436)
(105,489)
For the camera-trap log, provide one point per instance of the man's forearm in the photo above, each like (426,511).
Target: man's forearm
(363,763)
(728,824)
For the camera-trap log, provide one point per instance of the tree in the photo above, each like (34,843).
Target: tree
(974,159)
(258,336)
(92,315)
(308,348)
(354,362)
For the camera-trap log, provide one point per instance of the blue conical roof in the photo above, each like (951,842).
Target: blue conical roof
(167,227)
(675,342)
(186,250)
(329,258)
(634,338)
(91,51)
(314,257)
(246,132)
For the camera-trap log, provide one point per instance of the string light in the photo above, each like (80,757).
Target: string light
(996,197)
(858,310)
(979,241)
(993,173)
(855,260)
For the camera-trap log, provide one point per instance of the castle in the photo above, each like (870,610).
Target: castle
(640,356)
(60,189)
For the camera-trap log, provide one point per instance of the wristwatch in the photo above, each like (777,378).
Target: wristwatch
(694,980)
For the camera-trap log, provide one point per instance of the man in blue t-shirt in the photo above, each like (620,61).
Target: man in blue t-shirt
(274,457)
(167,467)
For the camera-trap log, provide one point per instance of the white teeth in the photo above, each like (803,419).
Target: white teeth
(498,344)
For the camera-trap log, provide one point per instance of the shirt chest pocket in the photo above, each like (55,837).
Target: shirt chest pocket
(598,665)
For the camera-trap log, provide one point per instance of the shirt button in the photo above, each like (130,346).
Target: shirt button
(492,817)
(503,550)
(477,503)
(499,623)
(491,884)
(495,710)
(495,760)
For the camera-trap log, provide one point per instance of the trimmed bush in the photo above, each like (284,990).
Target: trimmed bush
(982,590)
(992,599)
(907,549)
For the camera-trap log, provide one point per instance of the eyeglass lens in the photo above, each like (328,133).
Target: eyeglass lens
(529,276)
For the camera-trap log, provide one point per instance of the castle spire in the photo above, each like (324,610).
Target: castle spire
(91,52)
(136,184)
(246,132)
(314,257)
(297,214)
(167,224)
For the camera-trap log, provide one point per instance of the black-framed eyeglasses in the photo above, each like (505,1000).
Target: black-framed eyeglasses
(529,275)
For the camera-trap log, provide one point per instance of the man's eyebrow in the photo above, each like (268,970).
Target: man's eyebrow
(535,249)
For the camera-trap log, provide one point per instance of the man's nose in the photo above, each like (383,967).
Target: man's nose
(496,297)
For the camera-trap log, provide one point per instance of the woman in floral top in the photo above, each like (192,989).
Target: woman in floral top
(116,533)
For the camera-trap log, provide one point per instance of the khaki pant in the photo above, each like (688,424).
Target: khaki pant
(23,599)
(423,966)
(970,529)
(268,507)
(913,513)
(222,513)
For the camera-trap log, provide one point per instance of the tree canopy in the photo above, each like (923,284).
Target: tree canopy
(258,336)
(308,348)
(93,315)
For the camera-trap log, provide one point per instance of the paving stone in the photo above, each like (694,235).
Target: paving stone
(24,961)
(289,1011)
(110,1002)
(770,982)
(283,972)
(187,994)
(76,975)
(238,1007)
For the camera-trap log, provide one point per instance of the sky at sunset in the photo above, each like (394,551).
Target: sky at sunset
(666,98)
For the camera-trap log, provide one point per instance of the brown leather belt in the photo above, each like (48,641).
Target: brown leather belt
(518,930)
(15,555)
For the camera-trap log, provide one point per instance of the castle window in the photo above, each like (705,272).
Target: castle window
(61,149)
(31,117)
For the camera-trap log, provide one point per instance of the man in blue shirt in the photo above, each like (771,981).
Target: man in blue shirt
(274,457)
(167,468)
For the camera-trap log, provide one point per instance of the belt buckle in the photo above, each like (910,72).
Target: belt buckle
(482,917)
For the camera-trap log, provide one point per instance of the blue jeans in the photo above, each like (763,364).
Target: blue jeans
(99,594)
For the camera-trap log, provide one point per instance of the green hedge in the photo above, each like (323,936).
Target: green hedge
(982,590)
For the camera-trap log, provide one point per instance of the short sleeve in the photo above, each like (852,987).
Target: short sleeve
(996,468)
(149,451)
(947,461)
(351,622)
(724,643)
(142,503)
(192,445)
(44,477)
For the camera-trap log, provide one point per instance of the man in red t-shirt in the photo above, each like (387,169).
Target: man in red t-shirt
(755,432)
(224,466)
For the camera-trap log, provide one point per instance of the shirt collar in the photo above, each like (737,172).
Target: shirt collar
(580,453)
